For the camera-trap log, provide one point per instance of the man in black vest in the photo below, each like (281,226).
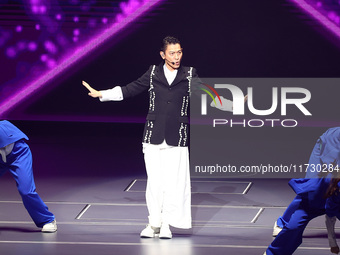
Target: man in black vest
(165,138)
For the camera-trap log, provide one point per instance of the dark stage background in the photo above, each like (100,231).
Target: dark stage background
(71,133)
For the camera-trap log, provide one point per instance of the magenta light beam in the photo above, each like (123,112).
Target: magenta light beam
(324,20)
(131,11)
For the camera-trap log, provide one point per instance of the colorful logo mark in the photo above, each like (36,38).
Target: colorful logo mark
(209,93)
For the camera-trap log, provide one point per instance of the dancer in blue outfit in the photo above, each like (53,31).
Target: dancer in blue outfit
(16,157)
(317,194)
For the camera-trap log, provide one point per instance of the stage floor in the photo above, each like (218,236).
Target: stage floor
(104,215)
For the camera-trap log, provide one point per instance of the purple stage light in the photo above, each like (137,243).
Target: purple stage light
(51,63)
(35,9)
(119,18)
(43,58)
(128,7)
(131,12)
(104,20)
(331,15)
(337,20)
(32,46)
(18,29)
(328,21)
(37,27)
(11,52)
(76,32)
(76,19)
(42,9)
(51,47)
(58,16)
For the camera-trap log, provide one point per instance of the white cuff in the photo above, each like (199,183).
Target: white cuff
(114,94)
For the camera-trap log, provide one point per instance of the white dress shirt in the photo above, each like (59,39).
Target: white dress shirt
(169,75)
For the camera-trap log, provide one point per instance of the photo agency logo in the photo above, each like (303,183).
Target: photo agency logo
(293,97)
(213,98)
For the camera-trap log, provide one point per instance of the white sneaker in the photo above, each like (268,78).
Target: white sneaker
(165,232)
(50,227)
(149,232)
(276,229)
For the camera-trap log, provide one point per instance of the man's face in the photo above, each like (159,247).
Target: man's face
(172,56)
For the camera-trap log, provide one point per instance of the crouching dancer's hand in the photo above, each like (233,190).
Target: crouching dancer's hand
(335,250)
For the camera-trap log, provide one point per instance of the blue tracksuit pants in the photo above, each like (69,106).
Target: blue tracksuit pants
(19,163)
(293,222)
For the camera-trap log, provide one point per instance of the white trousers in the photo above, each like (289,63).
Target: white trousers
(168,191)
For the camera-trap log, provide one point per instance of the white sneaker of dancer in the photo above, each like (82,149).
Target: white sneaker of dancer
(276,229)
(50,227)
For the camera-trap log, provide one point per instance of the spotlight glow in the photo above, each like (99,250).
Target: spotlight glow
(131,11)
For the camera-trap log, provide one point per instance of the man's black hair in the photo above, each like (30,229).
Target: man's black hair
(169,40)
